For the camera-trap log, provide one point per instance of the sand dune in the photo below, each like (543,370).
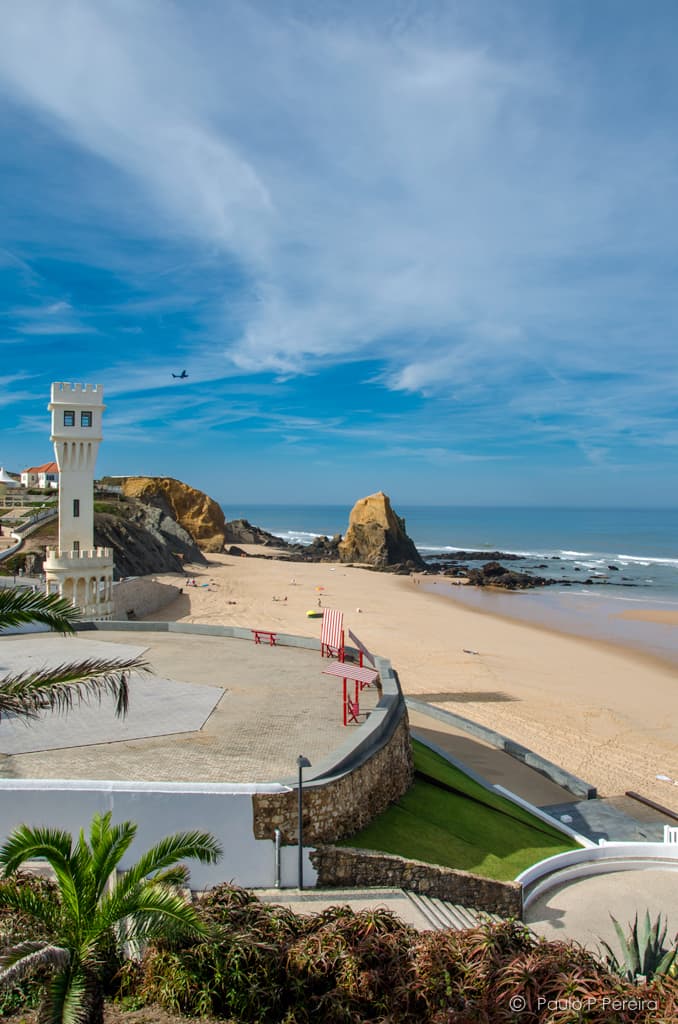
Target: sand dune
(607,714)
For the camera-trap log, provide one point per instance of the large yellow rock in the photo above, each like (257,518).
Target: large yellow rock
(199,514)
(376,535)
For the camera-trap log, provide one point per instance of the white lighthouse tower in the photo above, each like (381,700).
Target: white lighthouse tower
(76,569)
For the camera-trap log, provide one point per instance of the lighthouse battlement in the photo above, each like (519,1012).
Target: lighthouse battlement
(76,392)
(95,555)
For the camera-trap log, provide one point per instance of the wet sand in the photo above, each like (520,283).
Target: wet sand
(662,618)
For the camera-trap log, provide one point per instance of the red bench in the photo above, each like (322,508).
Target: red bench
(264,634)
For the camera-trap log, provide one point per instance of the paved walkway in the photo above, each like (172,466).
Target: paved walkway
(494,765)
(263,707)
(617,819)
(581,910)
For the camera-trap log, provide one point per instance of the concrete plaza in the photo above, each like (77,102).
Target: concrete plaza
(215,709)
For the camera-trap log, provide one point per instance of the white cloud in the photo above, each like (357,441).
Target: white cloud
(397,188)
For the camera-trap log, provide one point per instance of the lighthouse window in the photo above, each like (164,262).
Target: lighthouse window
(76,507)
(85,419)
(69,417)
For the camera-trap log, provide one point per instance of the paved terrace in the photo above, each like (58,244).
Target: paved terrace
(216,709)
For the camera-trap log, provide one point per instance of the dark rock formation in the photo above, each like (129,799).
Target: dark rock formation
(321,549)
(147,542)
(492,574)
(376,535)
(240,531)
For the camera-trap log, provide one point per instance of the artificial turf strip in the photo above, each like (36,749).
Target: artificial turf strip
(430,765)
(486,834)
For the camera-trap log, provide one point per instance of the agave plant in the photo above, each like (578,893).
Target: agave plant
(643,951)
(76,932)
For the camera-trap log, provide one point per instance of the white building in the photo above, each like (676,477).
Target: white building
(76,569)
(43,476)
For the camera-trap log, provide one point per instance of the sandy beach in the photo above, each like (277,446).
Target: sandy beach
(607,714)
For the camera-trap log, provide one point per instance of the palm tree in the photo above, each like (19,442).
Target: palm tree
(91,917)
(60,688)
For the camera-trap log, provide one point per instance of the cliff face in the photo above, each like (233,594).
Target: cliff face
(145,541)
(376,535)
(197,513)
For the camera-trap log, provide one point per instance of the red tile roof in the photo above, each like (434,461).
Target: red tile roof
(48,467)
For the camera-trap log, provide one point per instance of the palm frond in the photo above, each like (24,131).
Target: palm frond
(26,843)
(25,958)
(19,607)
(26,901)
(156,910)
(63,1001)
(108,844)
(175,876)
(196,845)
(75,1006)
(59,689)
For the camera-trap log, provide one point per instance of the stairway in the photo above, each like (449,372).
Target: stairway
(442,915)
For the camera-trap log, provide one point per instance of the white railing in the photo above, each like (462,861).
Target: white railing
(21,532)
(594,860)
(39,517)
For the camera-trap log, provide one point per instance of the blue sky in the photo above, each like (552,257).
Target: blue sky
(428,248)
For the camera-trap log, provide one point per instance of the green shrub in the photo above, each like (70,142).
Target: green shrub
(17,927)
(109,508)
(264,964)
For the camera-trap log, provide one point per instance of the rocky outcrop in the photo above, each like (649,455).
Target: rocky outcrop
(198,514)
(241,531)
(321,549)
(146,541)
(492,574)
(376,535)
(475,556)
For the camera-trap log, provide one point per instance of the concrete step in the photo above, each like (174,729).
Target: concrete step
(444,915)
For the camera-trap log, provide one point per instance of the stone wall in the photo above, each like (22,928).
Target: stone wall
(345,867)
(141,596)
(339,807)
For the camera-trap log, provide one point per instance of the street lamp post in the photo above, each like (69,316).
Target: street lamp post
(302,762)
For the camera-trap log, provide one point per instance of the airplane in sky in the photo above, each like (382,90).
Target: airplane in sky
(180,376)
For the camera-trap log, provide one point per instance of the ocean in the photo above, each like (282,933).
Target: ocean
(610,560)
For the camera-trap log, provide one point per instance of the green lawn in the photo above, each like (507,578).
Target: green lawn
(448,818)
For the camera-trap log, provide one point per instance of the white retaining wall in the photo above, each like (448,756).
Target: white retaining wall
(141,596)
(595,860)
(160,809)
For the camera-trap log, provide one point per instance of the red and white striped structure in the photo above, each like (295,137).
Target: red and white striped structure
(332,634)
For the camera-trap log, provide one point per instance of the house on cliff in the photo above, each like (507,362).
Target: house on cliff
(45,476)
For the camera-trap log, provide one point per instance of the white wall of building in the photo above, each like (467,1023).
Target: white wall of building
(160,809)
